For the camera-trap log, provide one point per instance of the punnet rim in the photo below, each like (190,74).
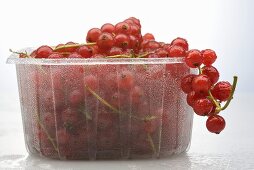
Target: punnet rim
(14,59)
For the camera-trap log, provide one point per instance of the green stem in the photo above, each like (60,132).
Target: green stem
(148,118)
(214,101)
(49,137)
(73,45)
(199,70)
(143,55)
(19,53)
(150,140)
(231,94)
(102,100)
(119,56)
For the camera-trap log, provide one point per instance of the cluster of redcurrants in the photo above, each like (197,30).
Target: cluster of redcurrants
(203,94)
(121,40)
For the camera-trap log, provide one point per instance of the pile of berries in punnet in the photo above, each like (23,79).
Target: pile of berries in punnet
(71,89)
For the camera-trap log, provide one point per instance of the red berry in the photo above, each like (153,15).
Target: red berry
(176,51)
(91,82)
(222,90)
(123,27)
(55,55)
(134,43)
(161,53)
(135,30)
(105,41)
(193,96)
(151,46)
(43,51)
(109,28)
(215,124)
(136,94)
(135,20)
(201,84)
(166,46)
(76,97)
(125,80)
(74,55)
(85,51)
(148,37)
(193,58)
(122,41)
(181,42)
(93,35)
(209,57)
(94,49)
(115,51)
(129,21)
(212,73)
(186,83)
(203,106)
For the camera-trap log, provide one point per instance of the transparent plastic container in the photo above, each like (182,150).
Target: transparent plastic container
(103,108)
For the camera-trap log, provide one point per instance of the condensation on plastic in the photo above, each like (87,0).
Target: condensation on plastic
(103,108)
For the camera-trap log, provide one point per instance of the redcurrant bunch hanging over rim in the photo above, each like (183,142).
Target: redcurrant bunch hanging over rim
(204,94)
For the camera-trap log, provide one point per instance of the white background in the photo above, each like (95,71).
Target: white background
(225,26)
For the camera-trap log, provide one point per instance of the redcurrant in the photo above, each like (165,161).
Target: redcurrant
(123,27)
(186,83)
(85,51)
(43,51)
(176,51)
(105,41)
(215,124)
(212,73)
(209,57)
(222,90)
(122,41)
(148,37)
(193,58)
(93,35)
(109,28)
(203,106)
(181,42)
(201,84)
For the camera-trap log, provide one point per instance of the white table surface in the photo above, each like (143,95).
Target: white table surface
(232,149)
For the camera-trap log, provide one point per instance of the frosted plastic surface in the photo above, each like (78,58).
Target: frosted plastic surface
(117,109)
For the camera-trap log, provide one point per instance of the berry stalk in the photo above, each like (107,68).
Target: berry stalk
(21,54)
(49,137)
(109,105)
(232,93)
(218,107)
(150,140)
(73,45)
(147,118)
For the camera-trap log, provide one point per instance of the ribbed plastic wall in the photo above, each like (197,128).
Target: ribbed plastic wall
(106,111)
